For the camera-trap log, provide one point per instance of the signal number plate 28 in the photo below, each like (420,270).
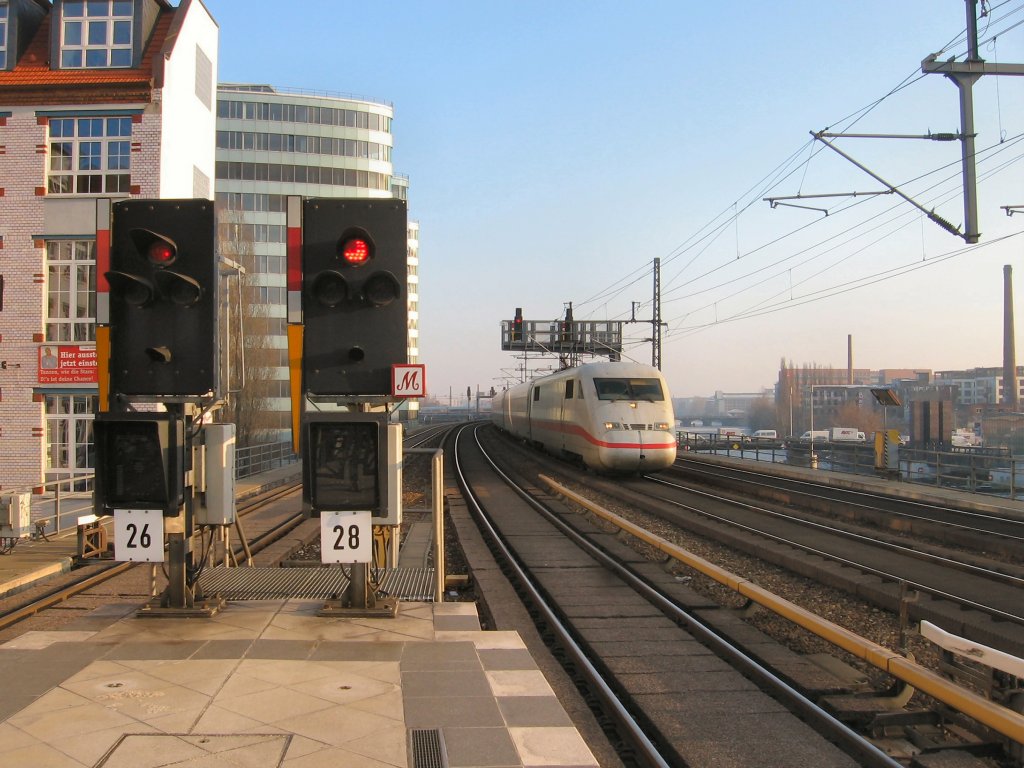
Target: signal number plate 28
(346,537)
(139,535)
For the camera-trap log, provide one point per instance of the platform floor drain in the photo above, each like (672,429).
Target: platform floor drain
(318,583)
(428,748)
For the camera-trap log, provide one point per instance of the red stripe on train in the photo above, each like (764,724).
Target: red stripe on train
(575,429)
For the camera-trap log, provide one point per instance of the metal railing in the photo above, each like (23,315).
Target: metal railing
(62,501)
(261,458)
(989,472)
(60,504)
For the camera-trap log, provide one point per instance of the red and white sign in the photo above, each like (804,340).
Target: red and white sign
(63,364)
(409,380)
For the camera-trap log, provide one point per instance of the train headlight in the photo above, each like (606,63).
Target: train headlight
(663,426)
(610,425)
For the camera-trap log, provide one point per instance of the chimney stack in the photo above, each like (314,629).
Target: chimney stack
(849,358)
(1009,354)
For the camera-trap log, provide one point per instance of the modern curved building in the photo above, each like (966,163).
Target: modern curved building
(275,142)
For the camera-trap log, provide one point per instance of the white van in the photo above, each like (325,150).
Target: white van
(815,436)
(766,434)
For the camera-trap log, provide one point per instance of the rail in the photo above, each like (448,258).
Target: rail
(997,717)
(57,504)
(966,469)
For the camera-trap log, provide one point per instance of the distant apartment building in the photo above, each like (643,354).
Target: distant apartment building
(822,396)
(275,142)
(979,386)
(105,99)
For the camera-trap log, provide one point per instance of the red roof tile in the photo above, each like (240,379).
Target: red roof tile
(33,82)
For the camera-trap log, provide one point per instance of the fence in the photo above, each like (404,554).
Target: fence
(992,472)
(62,501)
(260,458)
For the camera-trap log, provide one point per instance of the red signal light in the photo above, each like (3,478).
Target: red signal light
(161,252)
(355,251)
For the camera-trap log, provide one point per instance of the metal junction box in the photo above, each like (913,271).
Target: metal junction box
(15,514)
(219,476)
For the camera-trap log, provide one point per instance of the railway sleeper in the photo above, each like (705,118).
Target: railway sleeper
(802,672)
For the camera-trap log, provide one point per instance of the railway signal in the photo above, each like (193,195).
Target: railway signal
(352,462)
(163,288)
(517,325)
(139,462)
(354,273)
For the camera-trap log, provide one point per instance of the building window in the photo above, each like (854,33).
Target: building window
(302,174)
(71,290)
(69,440)
(252,233)
(96,34)
(89,155)
(3,35)
(296,113)
(302,144)
(249,201)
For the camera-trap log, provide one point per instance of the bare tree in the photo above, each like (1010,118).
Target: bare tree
(793,403)
(251,356)
(762,414)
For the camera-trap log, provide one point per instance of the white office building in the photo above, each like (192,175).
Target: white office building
(275,142)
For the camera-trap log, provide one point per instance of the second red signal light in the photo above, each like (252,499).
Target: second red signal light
(355,251)
(354,271)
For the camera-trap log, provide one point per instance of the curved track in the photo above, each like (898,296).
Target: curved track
(628,618)
(266,532)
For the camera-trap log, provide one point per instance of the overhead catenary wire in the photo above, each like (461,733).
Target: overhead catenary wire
(855,117)
(695,248)
(997,149)
(855,284)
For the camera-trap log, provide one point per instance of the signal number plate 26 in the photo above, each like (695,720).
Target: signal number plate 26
(139,535)
(346,537)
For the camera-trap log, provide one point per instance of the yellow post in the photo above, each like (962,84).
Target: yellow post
(103,366)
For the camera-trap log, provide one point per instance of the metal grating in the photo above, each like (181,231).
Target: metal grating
(428,748)
(409,584)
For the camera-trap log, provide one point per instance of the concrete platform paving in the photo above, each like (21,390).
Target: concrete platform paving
(272,684)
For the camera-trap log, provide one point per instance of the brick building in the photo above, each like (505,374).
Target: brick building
(98,100)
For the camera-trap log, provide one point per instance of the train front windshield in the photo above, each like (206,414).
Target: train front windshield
(629,389)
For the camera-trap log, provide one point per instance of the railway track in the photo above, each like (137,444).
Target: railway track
(634,633)
(975,596)
(751,554)
(992,526)
(265,528)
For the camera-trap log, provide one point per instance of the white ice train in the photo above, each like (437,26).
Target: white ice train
(614,417)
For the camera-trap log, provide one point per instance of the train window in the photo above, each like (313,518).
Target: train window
(536,394)
(568,389)
(629,389)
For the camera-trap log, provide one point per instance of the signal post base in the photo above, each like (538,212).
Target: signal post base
(202,609)
(359,599)
(377,608)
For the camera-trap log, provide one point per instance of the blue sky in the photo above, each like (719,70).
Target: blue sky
(556,148)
